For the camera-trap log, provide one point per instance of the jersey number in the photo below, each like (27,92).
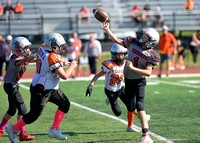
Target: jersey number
(136,61)
(115,79)
(38,65)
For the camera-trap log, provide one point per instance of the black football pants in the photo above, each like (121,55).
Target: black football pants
(39,98)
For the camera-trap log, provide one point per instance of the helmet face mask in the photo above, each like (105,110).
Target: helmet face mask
(21,46)
(116,48)
(55,41)
(153,38)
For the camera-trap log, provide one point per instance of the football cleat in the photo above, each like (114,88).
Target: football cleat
(131,129)
(146,139)
(12,134)
(1,133)
(55,133)
(24,136)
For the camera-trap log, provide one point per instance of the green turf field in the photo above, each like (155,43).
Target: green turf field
(173,103)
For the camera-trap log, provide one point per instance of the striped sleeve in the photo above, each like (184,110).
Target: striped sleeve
(55,61)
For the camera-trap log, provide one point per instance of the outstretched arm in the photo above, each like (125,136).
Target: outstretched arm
(105,27)
(26,59)
(101,73)
(90,87)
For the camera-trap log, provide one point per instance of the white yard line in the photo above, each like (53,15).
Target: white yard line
(113,117)
(177,84)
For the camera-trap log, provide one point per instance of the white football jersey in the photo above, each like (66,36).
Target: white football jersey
(45,69)
(114,75)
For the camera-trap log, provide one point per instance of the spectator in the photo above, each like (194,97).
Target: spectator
(18,9)
(8,50)
(136,13)
(194,46)
(147,15)
(158,18)
(1,9)
(84,13)
(167,39)
(78,45)
(189,4)
(181,55)
(93,49)
(71,53)
(2,57)
(9,10)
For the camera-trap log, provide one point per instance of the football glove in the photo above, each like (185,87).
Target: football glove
(89,90)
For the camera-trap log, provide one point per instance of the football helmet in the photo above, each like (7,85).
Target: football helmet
(116,48)
(71,40)
(19,44)
(153,37)
(8,38)
(56,41)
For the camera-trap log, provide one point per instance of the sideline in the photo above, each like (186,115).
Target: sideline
(102,78)
(160,138)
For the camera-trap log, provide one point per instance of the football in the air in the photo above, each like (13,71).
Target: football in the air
(101,15)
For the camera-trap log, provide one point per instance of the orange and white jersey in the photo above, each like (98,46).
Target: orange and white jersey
(46,65)
(114,75)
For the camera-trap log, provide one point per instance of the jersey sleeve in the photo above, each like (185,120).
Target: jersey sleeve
(55,61)
(129,40)
(15,57)
(106,66)
(154,58)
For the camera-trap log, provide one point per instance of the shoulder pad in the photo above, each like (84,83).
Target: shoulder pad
(14,56)
(108,64)
(132,39)
(54,58)
(154,57)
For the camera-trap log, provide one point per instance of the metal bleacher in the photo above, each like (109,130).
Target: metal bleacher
(45,16)
(176,17)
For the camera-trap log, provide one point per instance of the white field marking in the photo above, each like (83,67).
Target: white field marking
(103,78)
(178,84)
(190,81)
(191,91)
(156,92)
(152,83)
(113,117)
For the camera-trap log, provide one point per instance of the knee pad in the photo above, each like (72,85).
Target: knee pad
(22,109)
(116,109)
(11,112)
(130,108)
(140,106)
(117,113)
(65,107)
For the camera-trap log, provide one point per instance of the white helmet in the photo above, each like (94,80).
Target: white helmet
(54,40)
(116,48)
(153,37)
(9,38)
(71,40)
(19,44)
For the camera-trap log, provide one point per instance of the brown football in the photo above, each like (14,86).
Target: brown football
(101,15)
